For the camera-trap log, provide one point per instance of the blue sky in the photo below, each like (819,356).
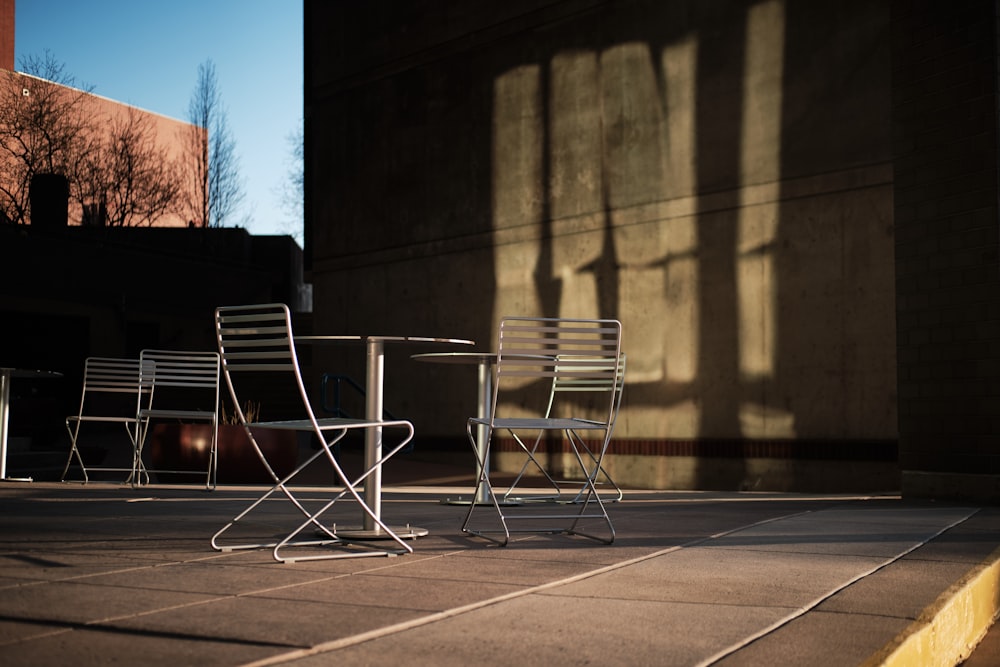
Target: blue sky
(147,54)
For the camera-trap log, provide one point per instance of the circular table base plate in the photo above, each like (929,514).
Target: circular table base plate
(370,534)
(469,501)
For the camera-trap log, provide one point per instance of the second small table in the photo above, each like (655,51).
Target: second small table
(6,374)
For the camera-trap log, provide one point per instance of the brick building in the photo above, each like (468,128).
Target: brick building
(166,137)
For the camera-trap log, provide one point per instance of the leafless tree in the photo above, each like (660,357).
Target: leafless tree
(212,162)
(292,191)
(112,164)
(43,130)
(127,176)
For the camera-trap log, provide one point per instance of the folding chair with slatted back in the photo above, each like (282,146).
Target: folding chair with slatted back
(257,349)
(568,387)
(184,388)
(113,393)
(532,353)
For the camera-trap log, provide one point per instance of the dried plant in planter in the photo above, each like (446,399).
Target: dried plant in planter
(251,411)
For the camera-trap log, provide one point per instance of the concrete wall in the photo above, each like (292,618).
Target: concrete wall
(717,175)
(947,247)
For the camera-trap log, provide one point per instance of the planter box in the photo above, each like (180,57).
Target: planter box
(185,447)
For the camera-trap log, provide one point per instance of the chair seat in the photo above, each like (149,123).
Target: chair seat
(91,418)
(327,423)
(177,414)
(540,423)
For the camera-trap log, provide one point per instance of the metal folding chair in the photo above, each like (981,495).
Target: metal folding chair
(257,350)
(113,393)
(183,387)
(571,388)
(536,352)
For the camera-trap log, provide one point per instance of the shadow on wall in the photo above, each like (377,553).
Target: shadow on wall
(715,174)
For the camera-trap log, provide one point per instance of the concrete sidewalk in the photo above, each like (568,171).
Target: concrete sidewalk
(103,574)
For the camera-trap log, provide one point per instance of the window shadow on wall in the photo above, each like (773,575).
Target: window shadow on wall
(707,171)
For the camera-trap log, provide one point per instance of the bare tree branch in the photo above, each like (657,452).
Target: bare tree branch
(115,169)
(292,190)
(212,161)
(43,129)
(128,177)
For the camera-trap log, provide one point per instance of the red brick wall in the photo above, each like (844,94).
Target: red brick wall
(170,134)
(7,34)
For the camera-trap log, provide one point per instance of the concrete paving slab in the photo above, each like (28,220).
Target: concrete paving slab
(368,590)
(545,630)
(72,602)
(88,646)
(472,570)
(291,623)
(606,589)
(704,574)
(817,639)
(208,578)
(19,632)
(108,574)
(829,531)
(908,579)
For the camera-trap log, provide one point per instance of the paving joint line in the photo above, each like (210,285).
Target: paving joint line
(378,633)
(802,611)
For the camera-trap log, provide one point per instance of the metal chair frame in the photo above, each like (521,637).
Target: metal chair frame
(108,378)
(258,339)
(534,350)
(183,387)
(563,384)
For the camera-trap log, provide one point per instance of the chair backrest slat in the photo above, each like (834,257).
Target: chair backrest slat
(111,374)
(180,369)
(567,354)
(112,388)
(257,339)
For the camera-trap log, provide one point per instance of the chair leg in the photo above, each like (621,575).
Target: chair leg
(508,495)
(590,506)
(592,495)
(524,467)
(139,471)
(616,495)
(213,462)
(312,518)
(279,485)
(73,450)
(482,481)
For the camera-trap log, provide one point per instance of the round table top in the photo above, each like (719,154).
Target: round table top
(28,372)
(456,357)
(398,339)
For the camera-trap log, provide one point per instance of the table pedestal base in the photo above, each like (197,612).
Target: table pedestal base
(360,534)
(469,501)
